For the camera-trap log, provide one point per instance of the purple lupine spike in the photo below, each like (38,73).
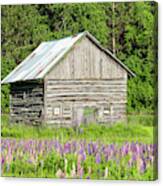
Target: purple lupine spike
(94,147)
(98,158)
(67,148)
(134,158)
(102,148)
(89,149)
(82,153)
(84,156)
(142,166)
(126,150)
(2,161)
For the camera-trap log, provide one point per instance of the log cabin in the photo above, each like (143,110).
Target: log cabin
(67,82)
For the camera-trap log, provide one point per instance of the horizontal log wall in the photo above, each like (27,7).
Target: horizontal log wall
(104,95)
(26,102)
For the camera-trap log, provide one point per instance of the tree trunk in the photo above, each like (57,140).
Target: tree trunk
(113,28)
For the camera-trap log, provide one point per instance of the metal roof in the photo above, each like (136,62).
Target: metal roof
(46,55)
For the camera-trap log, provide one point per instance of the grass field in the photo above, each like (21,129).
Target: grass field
(119,151)
(117,133)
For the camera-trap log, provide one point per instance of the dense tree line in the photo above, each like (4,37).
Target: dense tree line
(129,30)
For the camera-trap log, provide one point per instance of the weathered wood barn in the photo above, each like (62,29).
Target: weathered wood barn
(62,81)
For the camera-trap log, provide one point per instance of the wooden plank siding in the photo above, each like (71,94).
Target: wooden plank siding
(86,77)
(26,102)
(87,61)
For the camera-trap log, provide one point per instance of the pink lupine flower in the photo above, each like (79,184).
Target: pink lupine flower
(80,172)
(79,166)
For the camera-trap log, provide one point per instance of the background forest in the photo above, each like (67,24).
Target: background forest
(122,151)
(129,30)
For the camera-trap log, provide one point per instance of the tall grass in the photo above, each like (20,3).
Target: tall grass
(146,120)
(137,129)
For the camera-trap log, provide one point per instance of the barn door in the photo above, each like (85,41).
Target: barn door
(78,115)
(90,114)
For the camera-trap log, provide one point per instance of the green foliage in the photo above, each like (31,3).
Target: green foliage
(133,26)
(68,19)
(139,128)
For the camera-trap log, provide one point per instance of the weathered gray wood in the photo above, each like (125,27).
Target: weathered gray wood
(83,62)
(26,102)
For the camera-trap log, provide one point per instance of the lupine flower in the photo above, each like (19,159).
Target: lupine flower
(80,172)
(35,152)
(134,157)
(2,161)
(142,166)
(98,158)
(67,148)
(89,149)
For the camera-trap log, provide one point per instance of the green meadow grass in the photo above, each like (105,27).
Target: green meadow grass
(137,129)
